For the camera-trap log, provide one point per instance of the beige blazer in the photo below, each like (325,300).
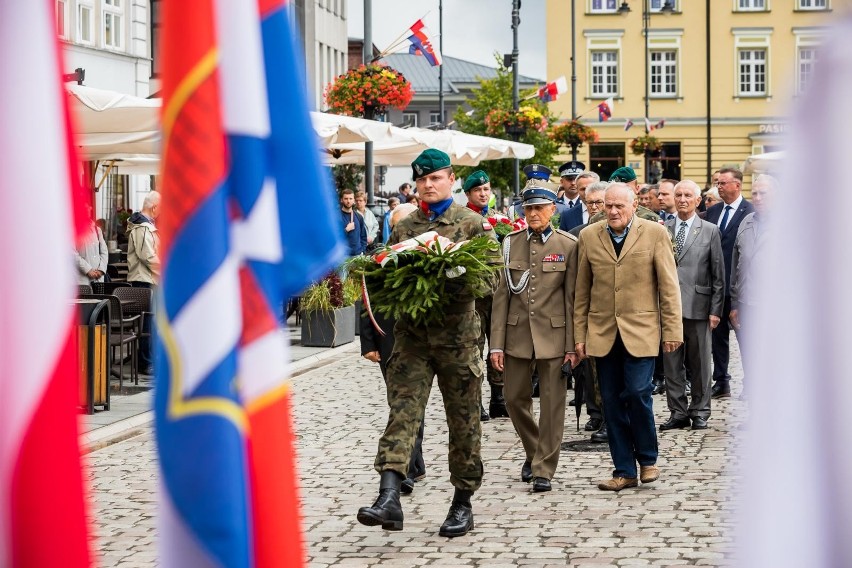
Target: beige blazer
(538,321)
(636,294)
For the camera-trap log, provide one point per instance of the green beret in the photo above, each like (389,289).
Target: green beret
(475,179)
(623,174)
(429,160)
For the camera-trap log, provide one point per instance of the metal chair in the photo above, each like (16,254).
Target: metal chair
(125,331)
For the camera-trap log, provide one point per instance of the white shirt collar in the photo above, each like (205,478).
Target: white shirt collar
(734,205)
(689,223)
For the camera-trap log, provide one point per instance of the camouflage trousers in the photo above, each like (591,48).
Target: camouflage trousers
(409,378)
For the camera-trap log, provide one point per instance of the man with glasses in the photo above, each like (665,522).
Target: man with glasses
(727,215)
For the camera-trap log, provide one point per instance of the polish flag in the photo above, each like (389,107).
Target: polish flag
(42,511)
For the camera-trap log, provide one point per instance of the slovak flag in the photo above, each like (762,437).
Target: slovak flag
(237,146)
(628,125)
(605,110)
(551,91)
(42,505)
(421,43)
(660,124)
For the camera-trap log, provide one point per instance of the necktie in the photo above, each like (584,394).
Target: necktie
(570,203)
(724,222)
(680,238)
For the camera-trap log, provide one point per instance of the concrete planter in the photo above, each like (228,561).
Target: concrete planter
(359,308)
(328,328)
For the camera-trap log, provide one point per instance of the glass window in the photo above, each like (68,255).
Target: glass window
(813,4)
(664,73)
(409,118)
(752,72)
(435,118)
(156,26)
(62,18)
(657,5)
(85,23)
(807,60)
(113,22)
(604,73)
(746,5)
(603,6)
(606,157)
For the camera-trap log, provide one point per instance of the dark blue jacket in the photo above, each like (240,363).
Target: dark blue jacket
(729,235)
(357,238)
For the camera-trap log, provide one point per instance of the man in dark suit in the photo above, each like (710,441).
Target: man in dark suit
(579,213)
(701,274)
(727,215)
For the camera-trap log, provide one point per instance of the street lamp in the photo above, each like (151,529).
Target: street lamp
(516,21)
(667,8)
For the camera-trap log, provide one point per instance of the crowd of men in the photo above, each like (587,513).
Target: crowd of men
(632,289)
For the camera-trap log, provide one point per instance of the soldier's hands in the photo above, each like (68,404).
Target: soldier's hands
(373,356)
(497,361)
(714,321)
(671,346)
(571,358)
(580,351)
(734,318)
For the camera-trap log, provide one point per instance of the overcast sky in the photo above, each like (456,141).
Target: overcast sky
(473,29)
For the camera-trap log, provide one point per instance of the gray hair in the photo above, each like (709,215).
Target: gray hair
(597,186)
(618,187)
(696,191)
(401,212)
(394,200)
(765,179)
(592,175)
(713,193)
(153,198)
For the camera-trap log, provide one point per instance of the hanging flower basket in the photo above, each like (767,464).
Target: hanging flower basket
(368,90)
(647,142)
(499,121)
(574,133)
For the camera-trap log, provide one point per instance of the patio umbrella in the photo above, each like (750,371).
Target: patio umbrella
(767,162)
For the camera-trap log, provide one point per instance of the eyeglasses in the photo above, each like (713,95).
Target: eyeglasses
(724,183)
(594,203)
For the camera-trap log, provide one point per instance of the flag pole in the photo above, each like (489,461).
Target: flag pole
(399,40)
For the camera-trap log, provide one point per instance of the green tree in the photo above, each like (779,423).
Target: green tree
(493,94)
(347,176)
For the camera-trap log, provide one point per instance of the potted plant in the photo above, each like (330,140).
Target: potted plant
(368,90)
(499,121)
(327,319)
(352,296)
(573,133)
(647,142)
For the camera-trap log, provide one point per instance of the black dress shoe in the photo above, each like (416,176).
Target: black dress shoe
(660,387)
(460,518)
(721,391)
(673,423)
(540,485)
(601,436)
(387,510)
(572,402)
(407,486)
(593,425)
(483,415)
(526,472)
(699,423)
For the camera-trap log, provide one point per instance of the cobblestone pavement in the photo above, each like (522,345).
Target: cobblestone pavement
(682,519)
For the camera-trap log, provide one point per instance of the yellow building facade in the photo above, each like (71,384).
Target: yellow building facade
(739,62)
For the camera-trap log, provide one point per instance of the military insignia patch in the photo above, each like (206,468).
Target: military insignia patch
(487,226)
(554,258)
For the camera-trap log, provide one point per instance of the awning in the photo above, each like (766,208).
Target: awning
(761,163)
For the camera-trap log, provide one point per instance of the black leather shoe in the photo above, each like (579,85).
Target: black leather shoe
(387,510)
(526,472)
(673,423)
(460,518)
(699,423)
(407,486)
(660,387)
(497,405)
(572,402)
(593,425)
(601,436)
(483,415)
(721,391)
(540,485)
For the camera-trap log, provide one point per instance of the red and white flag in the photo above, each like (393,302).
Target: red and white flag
(648,126)
(42,508)
(551,91)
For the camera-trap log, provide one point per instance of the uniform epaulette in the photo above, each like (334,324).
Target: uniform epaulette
(566,233)
(516,232)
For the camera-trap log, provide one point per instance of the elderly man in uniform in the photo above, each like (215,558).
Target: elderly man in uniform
(627,300)
(532,327)
(477,187)
(449,350)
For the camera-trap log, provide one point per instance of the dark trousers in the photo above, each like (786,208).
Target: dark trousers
(626,389)
(722,346)
(146,352)
(585,372)
(690,363)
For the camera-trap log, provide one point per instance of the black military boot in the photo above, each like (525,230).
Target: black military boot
(387,510)
(460,518)
(497,406)
(483,414)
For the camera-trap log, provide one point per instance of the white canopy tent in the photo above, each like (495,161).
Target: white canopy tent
(762,163)
(124,132)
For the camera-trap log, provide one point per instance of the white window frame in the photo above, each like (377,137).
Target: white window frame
(753,58)
(110,11)
(813,5)
(435,117)
(62,7)
(607,64)
(90,6)
(803,77)
(414,116)
(665,40)
(598,41)
(751,6)
(602,6)
(657,5)
(659,66)
(807,38)
(752,39)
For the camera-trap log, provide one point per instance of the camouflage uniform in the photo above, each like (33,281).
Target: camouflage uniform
(448,350)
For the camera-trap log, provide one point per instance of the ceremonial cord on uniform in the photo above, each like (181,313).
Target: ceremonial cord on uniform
(522,284)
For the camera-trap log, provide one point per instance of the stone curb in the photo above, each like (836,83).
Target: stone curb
(130,427)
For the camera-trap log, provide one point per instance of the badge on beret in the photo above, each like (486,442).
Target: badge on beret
(418,169)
